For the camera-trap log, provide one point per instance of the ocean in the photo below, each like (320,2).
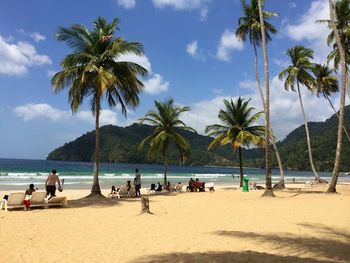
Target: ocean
(17,174)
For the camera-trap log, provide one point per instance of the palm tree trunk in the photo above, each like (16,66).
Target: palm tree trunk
(268,189)
(166,162)
(95,190)
(273,141)
(240,166)
(345,130)
(307,133)
(333,184)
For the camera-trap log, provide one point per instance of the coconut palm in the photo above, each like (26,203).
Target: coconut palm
(167,125)
(332,185)
(342,19)
(326,83)
(300,72)
(238,128)
(249,27)
(93,70)
(268,190)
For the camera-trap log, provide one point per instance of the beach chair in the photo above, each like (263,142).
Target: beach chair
(38,199)
(132,191)
(178,187)
(152,189)
(172,188)
(57,201)
(15,200)
(122,192)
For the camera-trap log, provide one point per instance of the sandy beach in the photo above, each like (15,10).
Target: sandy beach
(304,225)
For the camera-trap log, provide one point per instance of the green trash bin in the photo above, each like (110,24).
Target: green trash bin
(245,184)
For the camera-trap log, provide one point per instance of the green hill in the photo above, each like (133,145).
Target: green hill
(293,148)
(120,145)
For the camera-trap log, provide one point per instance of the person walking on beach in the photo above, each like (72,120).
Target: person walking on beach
(50,184)
(137,182)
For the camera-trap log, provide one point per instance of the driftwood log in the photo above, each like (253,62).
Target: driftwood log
(145,205)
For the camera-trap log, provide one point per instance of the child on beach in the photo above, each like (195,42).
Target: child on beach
(28,195)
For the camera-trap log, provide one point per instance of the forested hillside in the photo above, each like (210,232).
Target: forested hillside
(120,144)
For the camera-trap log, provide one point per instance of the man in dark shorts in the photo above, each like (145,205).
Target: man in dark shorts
(50,184)
(137,182)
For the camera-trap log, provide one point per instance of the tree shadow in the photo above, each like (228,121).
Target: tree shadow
(334,246)
(223,257)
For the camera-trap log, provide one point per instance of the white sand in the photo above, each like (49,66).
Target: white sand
(224,226)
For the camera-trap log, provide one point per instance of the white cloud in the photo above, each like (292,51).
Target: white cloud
(284,108)
(42,110)
(156,85)
(280,62)
(33,111)
(228,43)
(141,60)
(307,29)
(37,36)
(192,48)
(127,4)
(106,117)
(17,58)
(201,5)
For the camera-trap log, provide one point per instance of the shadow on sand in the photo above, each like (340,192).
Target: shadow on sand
(223,257)
(333,244)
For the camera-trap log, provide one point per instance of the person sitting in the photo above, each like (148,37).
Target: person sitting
(128,185)
(190,186)
(158,187)
(28,195)
(200,186)
(113,192)
(167,186)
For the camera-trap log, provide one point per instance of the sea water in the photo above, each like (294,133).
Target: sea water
(16,174)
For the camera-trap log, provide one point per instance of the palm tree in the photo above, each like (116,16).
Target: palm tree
(342,19)
(249,26)
(167,125)
(326,83)
(268,190)
(237,128)
(92,70)
(332,185)
(299,72)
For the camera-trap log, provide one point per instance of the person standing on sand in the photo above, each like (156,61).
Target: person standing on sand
(50,184)
(137,182)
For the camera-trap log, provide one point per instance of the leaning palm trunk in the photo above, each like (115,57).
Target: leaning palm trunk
(307,134)
(273,141)
(95,189)
(332,185)
(240,166)
(268,190)
(345,130)
(166,162)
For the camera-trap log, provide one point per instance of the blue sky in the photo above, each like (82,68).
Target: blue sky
(190,51)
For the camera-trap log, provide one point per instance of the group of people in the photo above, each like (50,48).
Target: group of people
(137,184)
(50,186)
(195,185)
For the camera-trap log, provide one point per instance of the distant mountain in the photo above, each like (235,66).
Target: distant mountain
(294,152)
(120,145)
